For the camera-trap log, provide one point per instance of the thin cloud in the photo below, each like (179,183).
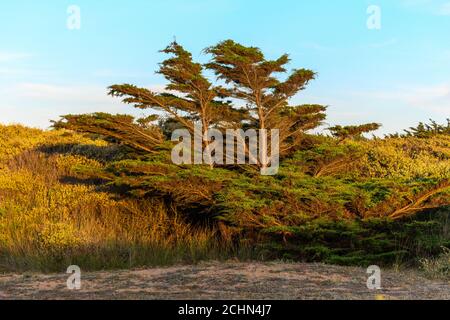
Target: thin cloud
(13,56)
(50,101)
(435,98)
(444,9)
(109,73)
(317,47)
(436,7)
(384,44)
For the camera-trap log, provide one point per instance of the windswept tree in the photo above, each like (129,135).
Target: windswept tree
(352,132)
(190,98)
(424,130)
(250,77)
(320,176)
(142,134)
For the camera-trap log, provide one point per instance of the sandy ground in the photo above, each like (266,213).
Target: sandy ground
(227,281)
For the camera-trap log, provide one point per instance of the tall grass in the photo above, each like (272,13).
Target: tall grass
(438,267)
(48,221)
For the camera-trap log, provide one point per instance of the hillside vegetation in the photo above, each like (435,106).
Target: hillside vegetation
(103,190)
(52,214)
(50,218)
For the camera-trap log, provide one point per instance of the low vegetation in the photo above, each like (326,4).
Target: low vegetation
(50,218)
(101,191)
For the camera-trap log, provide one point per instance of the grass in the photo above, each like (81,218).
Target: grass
(108,235)
(49,220)
(439,267)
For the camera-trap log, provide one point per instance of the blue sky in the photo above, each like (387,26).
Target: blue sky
(398,75)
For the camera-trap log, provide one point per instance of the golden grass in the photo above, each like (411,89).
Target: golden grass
(47,224)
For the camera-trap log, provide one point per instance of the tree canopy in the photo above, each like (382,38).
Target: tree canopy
(342,176)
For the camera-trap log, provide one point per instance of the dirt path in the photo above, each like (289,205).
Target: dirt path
(227,281)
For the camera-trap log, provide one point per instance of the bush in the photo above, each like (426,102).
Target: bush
(362,242)
(438,267)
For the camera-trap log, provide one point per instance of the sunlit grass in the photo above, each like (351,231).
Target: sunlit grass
(47,224)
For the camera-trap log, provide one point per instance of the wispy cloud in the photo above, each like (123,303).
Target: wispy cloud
(436,7)
(6,56)
(110,73)
(383,44)
(434,98)
(36,104)
(13,72)
(58,93)
(444,9)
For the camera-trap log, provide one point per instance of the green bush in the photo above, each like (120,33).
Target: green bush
(361,242)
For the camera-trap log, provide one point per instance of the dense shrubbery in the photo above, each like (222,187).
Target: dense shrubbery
(363,242)
(50,214)
(339,198)
(358,180)
(342,176)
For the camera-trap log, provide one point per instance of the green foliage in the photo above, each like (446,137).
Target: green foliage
(335,201)
(424,130)
(327,158)
(351,132)
(254,79)
(361,242)
(140,135)
(407,157)
(190,98)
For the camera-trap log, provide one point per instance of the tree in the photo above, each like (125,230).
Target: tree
(250,77)
(424,130)
(323,183)
(352,132)
(318,174)
(432,198)
(141,134)
(190,98)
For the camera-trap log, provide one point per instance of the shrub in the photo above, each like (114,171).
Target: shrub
(438,267)
(363,242)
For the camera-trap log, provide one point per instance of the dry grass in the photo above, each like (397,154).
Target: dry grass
(439,267)
(48,222)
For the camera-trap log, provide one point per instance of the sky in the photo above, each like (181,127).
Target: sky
(392,68)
